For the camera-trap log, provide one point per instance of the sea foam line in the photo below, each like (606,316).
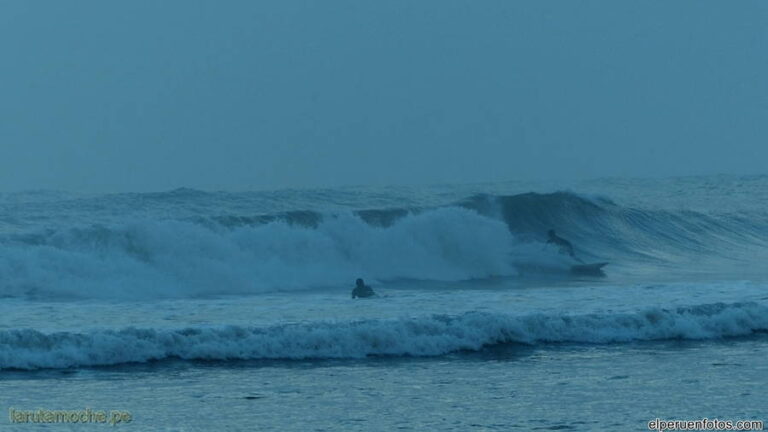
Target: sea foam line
(423,336)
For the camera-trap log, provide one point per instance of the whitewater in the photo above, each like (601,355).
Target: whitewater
(205,310)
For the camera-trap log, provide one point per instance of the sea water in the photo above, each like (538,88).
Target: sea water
(190,310)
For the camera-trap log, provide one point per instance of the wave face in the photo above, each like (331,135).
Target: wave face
(191,243)
(601,228)
(427,336)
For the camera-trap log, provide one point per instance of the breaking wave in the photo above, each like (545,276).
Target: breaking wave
(181,258)
(190,253)
(426,336)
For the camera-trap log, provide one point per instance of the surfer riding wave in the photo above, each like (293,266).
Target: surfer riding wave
(565,246)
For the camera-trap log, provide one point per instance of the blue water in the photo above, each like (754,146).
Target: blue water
(200,310)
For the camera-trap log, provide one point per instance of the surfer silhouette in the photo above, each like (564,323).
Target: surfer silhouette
(565,246)
(362,290)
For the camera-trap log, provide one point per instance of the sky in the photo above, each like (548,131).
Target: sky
(116,96)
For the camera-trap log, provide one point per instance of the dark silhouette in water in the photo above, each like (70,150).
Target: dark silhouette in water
(565,246)
(362,290)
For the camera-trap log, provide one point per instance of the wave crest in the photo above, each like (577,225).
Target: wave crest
(426,336)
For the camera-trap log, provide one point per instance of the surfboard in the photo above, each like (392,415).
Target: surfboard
(595,269)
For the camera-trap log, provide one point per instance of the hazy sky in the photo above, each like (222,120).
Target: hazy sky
(151,95)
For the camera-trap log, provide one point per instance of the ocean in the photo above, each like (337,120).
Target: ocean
(193,310)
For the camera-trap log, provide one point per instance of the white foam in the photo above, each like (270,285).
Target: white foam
(425,336)
(179,259)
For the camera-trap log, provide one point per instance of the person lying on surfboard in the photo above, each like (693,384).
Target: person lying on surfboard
(565,246)
(362,290)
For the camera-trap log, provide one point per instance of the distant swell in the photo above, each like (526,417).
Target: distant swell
(428,336)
